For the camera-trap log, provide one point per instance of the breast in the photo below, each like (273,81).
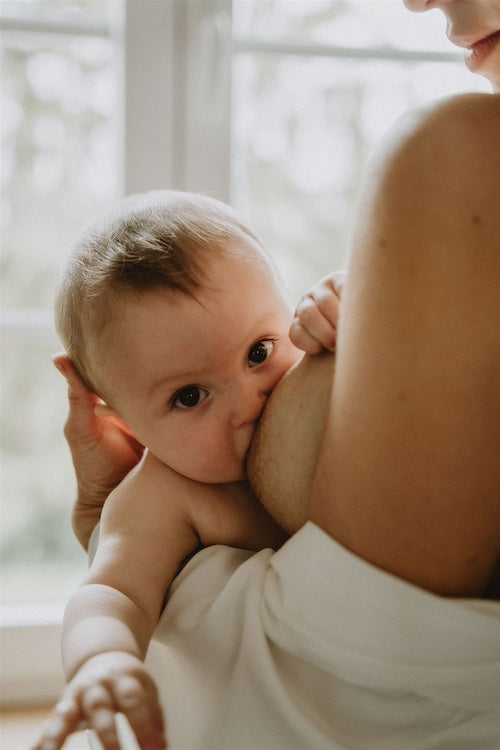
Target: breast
(284,452)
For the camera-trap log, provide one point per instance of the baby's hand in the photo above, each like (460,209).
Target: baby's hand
(315,323)
(106,684)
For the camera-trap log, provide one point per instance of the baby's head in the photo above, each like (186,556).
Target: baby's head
(157,240)
(172,312)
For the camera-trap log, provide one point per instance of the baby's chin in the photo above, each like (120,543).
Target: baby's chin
(240,475)
(231,468)
(216,476)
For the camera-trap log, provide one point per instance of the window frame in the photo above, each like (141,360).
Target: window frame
(191,137)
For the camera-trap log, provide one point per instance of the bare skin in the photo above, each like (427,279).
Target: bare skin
(285,448)
(408,476)
(103,451)
(280,479)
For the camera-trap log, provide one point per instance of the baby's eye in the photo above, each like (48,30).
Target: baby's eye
(189,397)
(260,352)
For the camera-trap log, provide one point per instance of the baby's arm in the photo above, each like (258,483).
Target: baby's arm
(145,536)
(314,327)
(150,524)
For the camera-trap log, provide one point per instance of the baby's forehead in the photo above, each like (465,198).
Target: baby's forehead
(241,246)
(245,251)
(239,263)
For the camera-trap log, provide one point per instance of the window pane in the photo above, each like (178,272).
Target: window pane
(303,128)
(59,11)
(59,151)
(346,23)
(40,557)
(60,138)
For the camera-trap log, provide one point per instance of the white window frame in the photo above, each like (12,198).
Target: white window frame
(185,82)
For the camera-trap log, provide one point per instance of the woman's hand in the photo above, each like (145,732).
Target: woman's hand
(106,684)
(314,328)
(102,451)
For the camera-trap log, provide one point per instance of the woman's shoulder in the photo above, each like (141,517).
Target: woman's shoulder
(471,106)
(449,133)
(468,125)
(440,164)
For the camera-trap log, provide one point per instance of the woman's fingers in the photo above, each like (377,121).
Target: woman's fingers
(81,419)
(103,451)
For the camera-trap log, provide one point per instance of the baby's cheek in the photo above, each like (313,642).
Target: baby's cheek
(215,461)
(207,453)
(227,466)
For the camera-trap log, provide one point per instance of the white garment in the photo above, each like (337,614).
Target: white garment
(313,648)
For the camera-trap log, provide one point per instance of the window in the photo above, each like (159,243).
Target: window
(61,161)
(60,147)
(274,105)
(315,85)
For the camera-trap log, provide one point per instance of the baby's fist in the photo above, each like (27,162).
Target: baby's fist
(314,327)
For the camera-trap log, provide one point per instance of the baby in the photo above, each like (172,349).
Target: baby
(173,313)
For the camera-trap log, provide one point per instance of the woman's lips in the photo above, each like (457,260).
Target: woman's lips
(478,52)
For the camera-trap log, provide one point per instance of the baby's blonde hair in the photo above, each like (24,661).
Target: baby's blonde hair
(160,239)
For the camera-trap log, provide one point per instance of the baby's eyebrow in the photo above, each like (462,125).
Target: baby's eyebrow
(164,381)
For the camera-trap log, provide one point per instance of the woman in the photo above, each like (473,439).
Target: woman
(339,640)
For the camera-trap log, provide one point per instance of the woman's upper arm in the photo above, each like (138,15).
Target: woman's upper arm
(408,475)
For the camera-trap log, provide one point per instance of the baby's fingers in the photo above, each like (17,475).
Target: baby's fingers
(139,702)
(64,721)
(327,301)
(98,707)
(302,339)
(81,421)
(311,330)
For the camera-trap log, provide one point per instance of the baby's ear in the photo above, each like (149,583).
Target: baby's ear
(103,410)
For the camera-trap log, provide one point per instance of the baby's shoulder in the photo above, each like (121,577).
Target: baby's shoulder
(231,514)
(152,494)
(154,503)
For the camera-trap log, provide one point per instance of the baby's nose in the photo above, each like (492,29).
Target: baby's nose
(248,406)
